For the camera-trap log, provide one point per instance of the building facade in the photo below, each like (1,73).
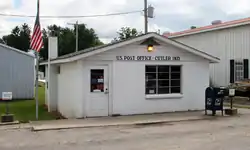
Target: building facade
(126,78)
(230,41)
(17,73)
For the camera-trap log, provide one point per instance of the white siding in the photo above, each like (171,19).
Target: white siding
(70,83)
(128,80)
(129,89)
(46,86)
(231,43)
(17,74)
(53,88)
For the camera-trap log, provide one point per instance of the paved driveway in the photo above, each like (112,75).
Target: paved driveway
(228,134)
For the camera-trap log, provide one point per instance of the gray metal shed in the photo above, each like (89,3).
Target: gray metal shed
(17,73)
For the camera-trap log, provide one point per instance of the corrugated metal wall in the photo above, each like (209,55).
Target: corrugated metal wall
(16,74)
(231,43)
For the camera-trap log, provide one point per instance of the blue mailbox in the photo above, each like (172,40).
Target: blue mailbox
(214,100)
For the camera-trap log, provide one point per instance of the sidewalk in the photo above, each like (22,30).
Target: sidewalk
(121,120)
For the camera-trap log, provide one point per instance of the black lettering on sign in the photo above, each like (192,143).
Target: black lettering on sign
(176,58)
(156,57)
(139,57)
(159,57)
(118,57)
(129,57)
(144,58)
(148,58)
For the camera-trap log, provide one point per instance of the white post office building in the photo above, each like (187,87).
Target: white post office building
(143,75)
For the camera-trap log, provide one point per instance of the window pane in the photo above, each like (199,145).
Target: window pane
(175,90)
(151,84)
(150,68)
(239,71)
(150,76)
(163,75)
(163,83)
(163,69)
(175,83)
(175,76)
(150,91)
(163,90)
(175,69)
(163,79)
(97,80)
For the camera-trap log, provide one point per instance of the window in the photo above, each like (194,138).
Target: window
(239,70)
(97,80)
(163,79)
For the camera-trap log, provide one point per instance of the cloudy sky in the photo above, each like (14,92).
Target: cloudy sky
(170,15)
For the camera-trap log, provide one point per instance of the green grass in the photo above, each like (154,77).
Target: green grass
(25,110)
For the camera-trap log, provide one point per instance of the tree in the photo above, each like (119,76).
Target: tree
(67,39)
(126,33)
(193,27)
(2,41)
(19,37)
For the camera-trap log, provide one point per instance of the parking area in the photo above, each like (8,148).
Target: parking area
(231,133)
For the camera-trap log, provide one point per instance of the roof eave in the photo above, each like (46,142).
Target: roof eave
(16,50)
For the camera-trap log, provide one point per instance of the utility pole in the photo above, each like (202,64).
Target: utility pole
(146,15)
(77,34)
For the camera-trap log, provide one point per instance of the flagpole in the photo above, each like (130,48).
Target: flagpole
(36,92)
(37,66)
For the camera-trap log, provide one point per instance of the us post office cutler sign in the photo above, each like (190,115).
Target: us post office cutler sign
(145,58)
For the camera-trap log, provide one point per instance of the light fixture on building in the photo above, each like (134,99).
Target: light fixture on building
(150,48)
(150,42)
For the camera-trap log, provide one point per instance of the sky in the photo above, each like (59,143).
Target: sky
(169,15)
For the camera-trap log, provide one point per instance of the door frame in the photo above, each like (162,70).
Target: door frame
(109,77)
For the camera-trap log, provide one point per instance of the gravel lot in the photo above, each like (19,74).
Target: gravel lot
(228,134)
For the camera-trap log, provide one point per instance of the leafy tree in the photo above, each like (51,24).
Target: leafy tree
(193,27)
(67,39)
(19,37)
(126,33)
(2,41)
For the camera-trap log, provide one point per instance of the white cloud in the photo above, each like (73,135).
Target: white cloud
(234,6)
(6,5)
(106,27)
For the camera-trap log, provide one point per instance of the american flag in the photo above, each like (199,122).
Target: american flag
(37,38)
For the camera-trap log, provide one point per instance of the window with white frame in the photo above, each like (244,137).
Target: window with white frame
(162,79)
(239,70)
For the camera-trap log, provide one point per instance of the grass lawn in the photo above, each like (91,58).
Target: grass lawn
(26,110)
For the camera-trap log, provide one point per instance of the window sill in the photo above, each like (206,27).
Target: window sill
(164,96)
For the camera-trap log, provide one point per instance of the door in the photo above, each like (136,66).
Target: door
(98,98)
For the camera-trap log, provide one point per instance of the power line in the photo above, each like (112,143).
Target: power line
(101,15)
